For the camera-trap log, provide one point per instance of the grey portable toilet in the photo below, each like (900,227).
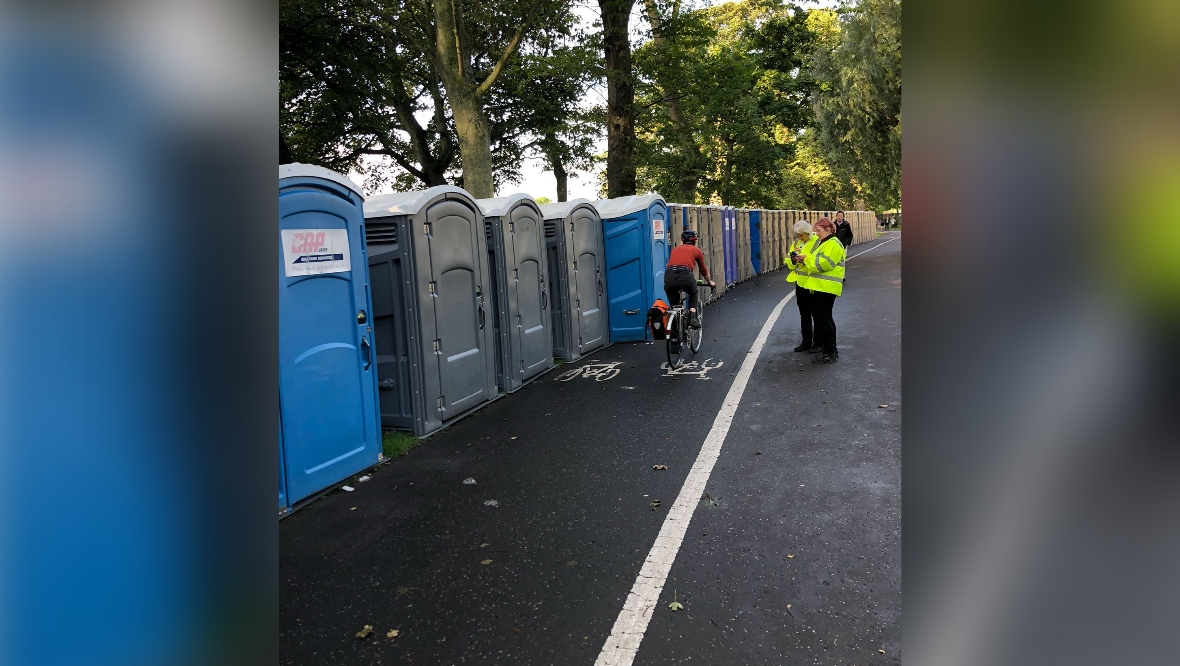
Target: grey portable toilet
(520,289)
(573,240)
(432,310)
(675,223)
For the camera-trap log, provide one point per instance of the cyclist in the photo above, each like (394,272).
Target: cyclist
(678,275)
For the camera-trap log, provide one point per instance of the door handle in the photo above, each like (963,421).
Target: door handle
(368,352)
(630,311)
(386,384)
(481,315)
(600,287)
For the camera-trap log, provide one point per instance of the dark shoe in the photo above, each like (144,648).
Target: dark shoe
(694,321)
(802,348)
(824,358)
(815,350)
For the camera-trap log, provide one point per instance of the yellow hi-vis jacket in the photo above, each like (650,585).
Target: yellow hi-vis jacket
(825,265)
(797,273)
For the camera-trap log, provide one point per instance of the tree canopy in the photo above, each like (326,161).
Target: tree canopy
(759,103)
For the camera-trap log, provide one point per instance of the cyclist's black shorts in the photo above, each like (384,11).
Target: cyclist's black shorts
(677,279)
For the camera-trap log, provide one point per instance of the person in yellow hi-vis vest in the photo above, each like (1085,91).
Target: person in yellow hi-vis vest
(803,244)
(825,280)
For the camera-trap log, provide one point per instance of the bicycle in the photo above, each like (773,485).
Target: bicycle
(680,334)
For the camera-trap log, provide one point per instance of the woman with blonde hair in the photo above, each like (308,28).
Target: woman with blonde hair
(803,244)
(825,280)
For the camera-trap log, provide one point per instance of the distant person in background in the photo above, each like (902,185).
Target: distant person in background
(843,230)
(825,281)
(803,244)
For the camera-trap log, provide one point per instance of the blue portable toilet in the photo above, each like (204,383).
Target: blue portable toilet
(635,236)
(755,240)
(729,242)
(327,375)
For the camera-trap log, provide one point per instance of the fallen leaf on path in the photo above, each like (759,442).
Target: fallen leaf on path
(364,633)
(882,406)
(347,489)
(364,478)
(469,481)
(513,438)
(659,467)
(790,557)
(392,633)
(675,605)
(516,629)
(491,503)
(572,563)
(757,453)
(484,545)
(485,562)
(881,651)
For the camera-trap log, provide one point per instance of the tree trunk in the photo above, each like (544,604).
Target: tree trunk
(284,151)
(452,62)
(694,160)
(620,97)
(475,145)
(552,151)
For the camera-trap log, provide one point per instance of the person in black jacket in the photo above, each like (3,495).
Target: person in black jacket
(843,230)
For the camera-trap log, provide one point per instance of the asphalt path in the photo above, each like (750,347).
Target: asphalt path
(792,557)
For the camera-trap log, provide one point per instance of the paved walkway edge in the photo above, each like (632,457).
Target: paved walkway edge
(626,635)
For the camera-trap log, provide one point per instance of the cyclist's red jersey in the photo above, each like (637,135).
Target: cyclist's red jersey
(688,256)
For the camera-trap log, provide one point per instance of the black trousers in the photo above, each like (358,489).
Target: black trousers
(825,327)
(677,279)
(803,300)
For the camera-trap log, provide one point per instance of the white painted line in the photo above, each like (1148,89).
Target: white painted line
(625,637)
(874,247)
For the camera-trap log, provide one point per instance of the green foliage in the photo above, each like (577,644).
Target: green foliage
(352,89)
(544,200)
(736,75)
(858,104)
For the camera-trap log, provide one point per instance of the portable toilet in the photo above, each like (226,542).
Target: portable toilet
(432,307)
(768,240)
(755,241)
(577,274)
(714,250)
(634,231)
(519,288)
(328,419)
(675,224)
(743,244)
(726,244)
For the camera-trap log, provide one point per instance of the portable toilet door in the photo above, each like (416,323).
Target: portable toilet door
(742,245)
(755,242)
(727,245)
(520,288)
(715,256)
(327,378)
(635,240)
(431,306)
(576,227)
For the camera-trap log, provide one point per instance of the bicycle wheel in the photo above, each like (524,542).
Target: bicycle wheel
(672,343)
(695,334)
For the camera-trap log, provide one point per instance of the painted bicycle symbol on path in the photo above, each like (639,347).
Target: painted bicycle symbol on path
(599,372)
(698,370)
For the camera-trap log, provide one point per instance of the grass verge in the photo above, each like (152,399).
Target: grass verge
(397,443)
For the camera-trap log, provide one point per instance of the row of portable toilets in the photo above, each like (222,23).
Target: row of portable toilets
(410,310)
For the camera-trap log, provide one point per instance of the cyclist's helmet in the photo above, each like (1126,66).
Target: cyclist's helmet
(688,236)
